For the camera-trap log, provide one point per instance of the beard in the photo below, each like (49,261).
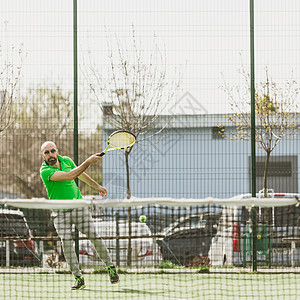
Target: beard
(52,161)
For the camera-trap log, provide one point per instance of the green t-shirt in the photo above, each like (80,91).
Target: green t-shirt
(60,189)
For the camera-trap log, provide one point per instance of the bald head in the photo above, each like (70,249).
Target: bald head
(49,152)
(48,144)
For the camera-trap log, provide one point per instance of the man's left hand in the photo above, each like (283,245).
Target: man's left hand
(102,190)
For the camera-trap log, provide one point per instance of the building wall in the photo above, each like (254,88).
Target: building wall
(188,163)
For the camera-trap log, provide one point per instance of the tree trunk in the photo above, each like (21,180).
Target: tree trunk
(266,210)
(129,218)
(266,174)
(128,192)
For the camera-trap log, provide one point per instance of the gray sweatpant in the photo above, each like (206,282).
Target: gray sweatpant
(82,219)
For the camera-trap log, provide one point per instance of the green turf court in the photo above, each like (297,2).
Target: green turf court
(152,286)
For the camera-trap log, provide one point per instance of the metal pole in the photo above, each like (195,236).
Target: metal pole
(253,141)
(117,240)
(75,82)
(7,253)
(75,134)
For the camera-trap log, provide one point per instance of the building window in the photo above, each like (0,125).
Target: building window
(218,132)
(276,169)
(282,173)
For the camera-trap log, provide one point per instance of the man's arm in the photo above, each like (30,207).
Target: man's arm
(92,183)
(74,173)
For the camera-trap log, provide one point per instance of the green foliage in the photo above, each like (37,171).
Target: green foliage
(203,269)
(167,264)
(103,270)
(99,270)
(63,272)
(276,112)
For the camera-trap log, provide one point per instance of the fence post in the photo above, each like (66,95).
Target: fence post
(117,240)
(7,253)
(253,134)
(42,253)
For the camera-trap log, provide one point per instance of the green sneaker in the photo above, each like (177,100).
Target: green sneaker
(79,283)
(113,275)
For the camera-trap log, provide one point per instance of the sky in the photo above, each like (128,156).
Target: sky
(206,43)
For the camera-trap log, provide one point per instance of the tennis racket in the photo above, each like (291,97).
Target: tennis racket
(120,139)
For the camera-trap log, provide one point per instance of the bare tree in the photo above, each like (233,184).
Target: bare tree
(10,74)
(276,114)
(40,114)
(136,90)
(43,113)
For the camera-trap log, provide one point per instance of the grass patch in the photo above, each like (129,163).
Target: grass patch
(103,270)
(167,264)
(162,272)
(63,272)
(203,269)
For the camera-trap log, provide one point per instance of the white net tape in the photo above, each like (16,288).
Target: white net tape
(240,200)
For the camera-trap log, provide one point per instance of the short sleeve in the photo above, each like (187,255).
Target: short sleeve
(46,173)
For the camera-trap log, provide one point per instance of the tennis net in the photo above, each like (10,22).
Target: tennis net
(186,249)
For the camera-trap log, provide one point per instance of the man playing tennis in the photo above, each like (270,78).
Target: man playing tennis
(58,174)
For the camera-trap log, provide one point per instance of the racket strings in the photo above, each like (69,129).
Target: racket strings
(122,140)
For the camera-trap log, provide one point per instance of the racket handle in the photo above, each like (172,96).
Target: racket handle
(101,154)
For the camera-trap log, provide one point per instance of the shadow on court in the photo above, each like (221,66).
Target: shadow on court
(120,291)
(140,292)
